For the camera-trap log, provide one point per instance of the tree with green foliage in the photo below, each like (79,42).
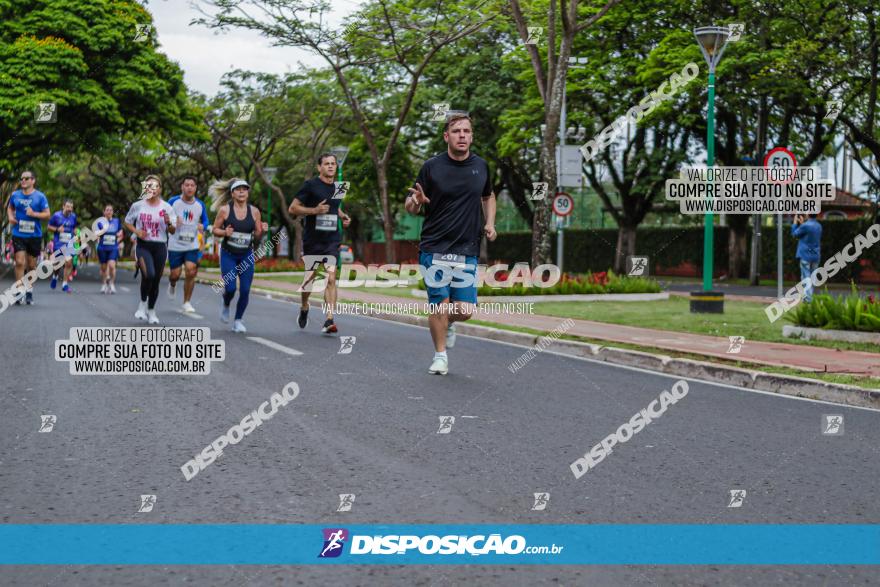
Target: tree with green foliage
(389,43)
(293,119)
(555,45)
(98,63)
(627,62)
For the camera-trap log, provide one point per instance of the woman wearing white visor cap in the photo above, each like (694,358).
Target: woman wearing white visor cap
(238,223)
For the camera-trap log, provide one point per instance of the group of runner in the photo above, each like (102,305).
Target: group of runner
(453,190)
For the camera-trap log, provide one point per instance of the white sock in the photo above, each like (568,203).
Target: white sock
(440,355)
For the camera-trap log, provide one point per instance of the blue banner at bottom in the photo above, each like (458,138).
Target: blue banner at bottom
(225,544)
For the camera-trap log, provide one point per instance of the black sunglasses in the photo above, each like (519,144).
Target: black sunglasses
(26,177)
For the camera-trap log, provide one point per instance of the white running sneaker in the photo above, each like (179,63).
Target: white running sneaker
(188,307)
(238,327)
(141,313)
(152,318)
(112,288)
(440,366)
(224,315)
(171,288)
(450,336)
(104,288)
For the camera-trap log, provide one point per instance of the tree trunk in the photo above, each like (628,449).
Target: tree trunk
(736,245)
(297,240)
(387,220)
(626,247)
(542,212)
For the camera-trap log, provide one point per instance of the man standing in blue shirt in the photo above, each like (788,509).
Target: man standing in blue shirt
(26,209)
(63,224)
(808,231)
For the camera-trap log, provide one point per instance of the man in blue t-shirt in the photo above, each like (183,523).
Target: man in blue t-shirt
(455,190)
(808,231)
(63,225)
(26,209)
(184,246)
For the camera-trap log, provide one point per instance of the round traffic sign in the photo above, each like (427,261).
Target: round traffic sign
(781,157)
(563,204)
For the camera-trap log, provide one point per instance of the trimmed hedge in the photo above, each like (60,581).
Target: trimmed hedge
(593,250)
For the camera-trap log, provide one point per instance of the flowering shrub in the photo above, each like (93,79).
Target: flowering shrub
(265,264)
(589,283)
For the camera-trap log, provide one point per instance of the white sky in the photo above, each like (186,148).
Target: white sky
(205,55)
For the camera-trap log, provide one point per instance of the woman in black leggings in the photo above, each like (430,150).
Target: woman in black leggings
(152,219)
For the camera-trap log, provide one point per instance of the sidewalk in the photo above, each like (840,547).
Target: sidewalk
(807,358)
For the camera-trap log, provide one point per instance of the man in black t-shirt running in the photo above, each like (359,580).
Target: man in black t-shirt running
(318,201)
(453,188)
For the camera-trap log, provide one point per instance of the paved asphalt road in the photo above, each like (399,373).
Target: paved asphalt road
(366,423)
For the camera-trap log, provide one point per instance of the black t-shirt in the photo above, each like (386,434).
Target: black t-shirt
(320,231)
(453,218)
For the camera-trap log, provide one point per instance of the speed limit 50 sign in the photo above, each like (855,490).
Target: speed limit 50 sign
(563,204)
(781,157)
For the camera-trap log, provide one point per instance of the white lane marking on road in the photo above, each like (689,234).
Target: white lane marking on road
(647,371)
(123,288)
(415,397)
(470,416)
(275,345)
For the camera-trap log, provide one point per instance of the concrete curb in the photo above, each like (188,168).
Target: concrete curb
(827,334)
(729,375)
(637,297)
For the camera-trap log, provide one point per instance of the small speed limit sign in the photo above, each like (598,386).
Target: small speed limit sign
(781,157)
(563,204)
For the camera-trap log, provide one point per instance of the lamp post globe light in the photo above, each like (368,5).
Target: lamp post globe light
(712,41)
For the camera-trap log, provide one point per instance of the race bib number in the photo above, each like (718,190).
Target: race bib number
(108,239)
(26,226)
(65,237)
(187,235)
(326,222)
(240,239)
(449,259)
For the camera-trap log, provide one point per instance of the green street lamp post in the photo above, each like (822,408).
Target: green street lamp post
(712,41)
